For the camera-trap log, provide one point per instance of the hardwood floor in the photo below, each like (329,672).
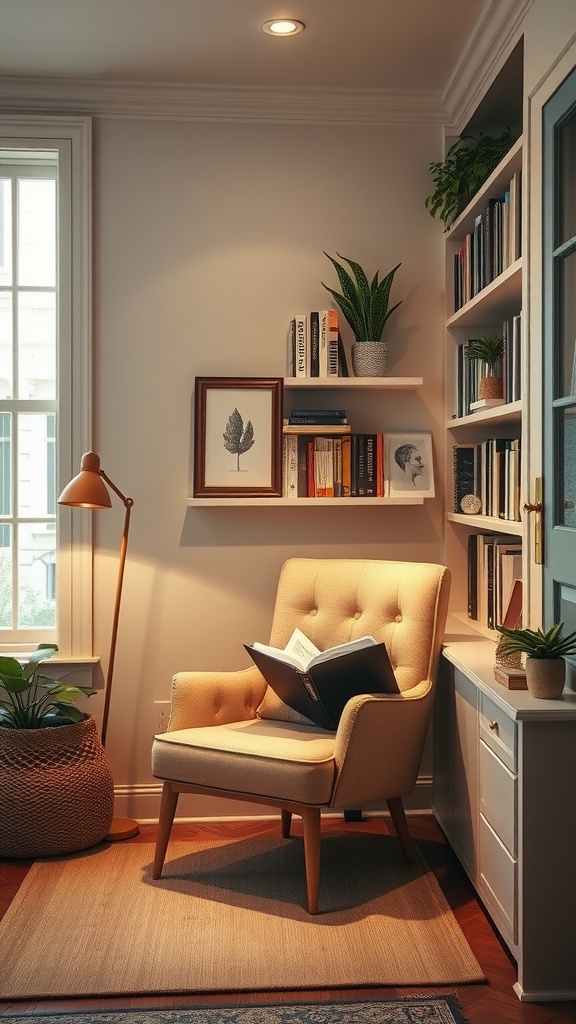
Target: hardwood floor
(490,1003)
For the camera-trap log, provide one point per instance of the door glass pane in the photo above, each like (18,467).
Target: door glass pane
(5,576)
(567,324)
(36,469)
(5,232)
(37,232)
(37,345)
(567,173)
(6,383)
(36,559)
(566,513)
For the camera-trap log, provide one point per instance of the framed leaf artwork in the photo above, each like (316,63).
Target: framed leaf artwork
(238,437)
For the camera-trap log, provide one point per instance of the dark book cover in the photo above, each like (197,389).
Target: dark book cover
(361,466)
(302,465)
(464,483)
(371,467)
(314,344)
(323,690)
(473,576)
(342,361)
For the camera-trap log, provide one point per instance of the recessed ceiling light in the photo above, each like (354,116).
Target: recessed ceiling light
(283,27)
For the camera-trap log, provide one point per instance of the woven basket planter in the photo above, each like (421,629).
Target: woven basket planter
(56,790)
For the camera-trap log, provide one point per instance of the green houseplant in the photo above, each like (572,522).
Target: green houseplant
(365,306)
(469,162)
(545,653)
(33,701)
(56,786)
(489,350)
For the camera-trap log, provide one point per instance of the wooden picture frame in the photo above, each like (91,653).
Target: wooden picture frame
(238,437)
(409,465)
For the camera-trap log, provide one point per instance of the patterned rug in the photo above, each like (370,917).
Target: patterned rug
(445,1010)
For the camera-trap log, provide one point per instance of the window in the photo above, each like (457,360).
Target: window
(45,564)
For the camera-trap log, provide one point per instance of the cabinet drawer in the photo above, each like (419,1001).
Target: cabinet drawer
(498,878)
(498,788)
(498,731)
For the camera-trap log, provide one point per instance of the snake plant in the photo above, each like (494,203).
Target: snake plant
(365,305)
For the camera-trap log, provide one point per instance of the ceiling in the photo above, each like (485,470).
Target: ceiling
(394,45)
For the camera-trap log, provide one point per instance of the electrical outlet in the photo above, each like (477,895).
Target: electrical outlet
(161,715)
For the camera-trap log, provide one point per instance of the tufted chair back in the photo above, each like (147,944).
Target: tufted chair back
(339,599)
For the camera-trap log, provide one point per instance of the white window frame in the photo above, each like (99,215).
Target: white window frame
(71,137)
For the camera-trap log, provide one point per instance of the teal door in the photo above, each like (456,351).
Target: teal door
(559,356)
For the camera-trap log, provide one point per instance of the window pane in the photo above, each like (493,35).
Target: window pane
(5,464)
(37,345)
(36,469)
(5,576)
(567,324)
(6,383)
(37,232)
(567,171)
(566,452)
(36,559)
(5,231)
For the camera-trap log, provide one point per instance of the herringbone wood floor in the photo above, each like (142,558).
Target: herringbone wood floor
(490,1003)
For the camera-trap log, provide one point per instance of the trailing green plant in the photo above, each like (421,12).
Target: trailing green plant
(536,644)
(489,349)
(469,162)
(365,305)
(33,701)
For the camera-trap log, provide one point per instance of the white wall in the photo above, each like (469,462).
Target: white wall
(549,30)
(208,237)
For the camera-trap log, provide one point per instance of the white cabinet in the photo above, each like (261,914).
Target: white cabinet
(503,794)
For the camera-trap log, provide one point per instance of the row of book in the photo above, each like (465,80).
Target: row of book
(494,563)
(468,372)
(492,246)
(486,478)
(333,464)
(314,346)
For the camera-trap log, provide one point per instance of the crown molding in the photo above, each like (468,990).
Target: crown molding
(497,32)
(218,103)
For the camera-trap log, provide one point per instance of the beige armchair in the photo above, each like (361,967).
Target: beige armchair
(230,736)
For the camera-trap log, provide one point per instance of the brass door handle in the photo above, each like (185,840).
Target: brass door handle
(537,506)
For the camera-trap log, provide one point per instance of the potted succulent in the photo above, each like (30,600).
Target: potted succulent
(545,654)
(489,350)
(469,162)
(56,786)
(366,309)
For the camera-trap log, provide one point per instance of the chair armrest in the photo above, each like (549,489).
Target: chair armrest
(379,744)
(215,698)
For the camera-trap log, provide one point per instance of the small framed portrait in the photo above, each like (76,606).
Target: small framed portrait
(409,465)
(238,437)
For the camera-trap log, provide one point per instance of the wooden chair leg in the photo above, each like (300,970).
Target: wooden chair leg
(398,815)
(286,823)
(165,822)
(311,830)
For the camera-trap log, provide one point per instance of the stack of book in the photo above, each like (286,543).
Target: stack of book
(468,372)
(492,246)
(314,347)
(494,563)
(490,471)
(324,459)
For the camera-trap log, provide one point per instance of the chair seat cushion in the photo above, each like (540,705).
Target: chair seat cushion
(279,760)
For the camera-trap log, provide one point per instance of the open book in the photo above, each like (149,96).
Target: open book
(318,684)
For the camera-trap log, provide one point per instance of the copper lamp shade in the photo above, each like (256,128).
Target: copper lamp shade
(87,490)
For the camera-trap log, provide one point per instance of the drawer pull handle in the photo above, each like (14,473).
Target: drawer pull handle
(493,726)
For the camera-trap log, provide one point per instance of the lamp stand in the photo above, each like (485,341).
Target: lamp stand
(121,828)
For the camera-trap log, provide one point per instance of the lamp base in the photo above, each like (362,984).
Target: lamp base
(122,828)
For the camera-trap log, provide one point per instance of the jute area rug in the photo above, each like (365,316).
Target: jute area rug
(445,1010)
(229,916)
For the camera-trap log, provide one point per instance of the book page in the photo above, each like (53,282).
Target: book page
(299,650)
(346,648)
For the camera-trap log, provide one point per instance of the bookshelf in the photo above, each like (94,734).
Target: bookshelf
(497,301)
(336,385)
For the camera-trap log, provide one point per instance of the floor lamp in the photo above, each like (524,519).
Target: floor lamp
(88,490)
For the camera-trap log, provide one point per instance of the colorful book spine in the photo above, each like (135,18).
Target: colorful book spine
(302,351)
